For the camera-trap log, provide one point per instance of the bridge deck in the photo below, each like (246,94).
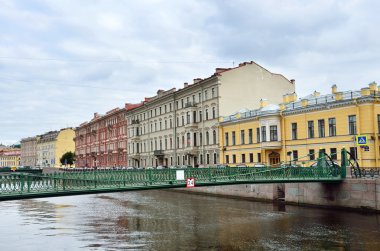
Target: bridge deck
(19,186)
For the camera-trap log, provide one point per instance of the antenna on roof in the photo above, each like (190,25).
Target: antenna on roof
(233,63)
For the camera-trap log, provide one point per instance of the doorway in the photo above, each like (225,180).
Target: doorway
(274,159)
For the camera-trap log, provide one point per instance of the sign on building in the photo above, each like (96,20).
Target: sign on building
(361,140)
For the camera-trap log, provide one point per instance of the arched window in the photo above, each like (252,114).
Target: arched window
(214,137)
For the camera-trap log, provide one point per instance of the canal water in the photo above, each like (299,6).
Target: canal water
(166,220)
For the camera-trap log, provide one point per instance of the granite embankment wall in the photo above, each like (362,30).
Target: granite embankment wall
(357,194)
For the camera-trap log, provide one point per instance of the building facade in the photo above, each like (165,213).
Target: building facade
(52,145)
(181,127)
(29,151)
(295,130)
(102,141)
(9,157)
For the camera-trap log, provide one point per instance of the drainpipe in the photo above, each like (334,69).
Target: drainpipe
(175,129)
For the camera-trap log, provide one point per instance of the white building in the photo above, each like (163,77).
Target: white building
(180,127)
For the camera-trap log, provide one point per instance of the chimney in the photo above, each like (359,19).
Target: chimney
(160,92)
(365,91)
(304,102)
(334,89)
(197,80)
(263,102)
(95,115)
(316,94)
(185,85)
(338,96)
(293,81)
(218,70)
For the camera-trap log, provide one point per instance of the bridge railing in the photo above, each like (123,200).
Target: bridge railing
(32,184)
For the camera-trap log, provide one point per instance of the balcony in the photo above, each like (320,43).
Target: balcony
(191,125)
(134,155)
(190,104)
(159,153)
(135,122)
(135,138)
(192,150)
(271,145)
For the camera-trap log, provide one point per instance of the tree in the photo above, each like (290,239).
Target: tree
(67,158)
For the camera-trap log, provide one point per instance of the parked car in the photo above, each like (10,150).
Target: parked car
(159,167)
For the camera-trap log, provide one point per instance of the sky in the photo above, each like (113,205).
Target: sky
(63,60)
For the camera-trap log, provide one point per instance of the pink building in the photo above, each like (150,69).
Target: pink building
(102,141)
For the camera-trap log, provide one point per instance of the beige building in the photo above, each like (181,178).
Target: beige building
(52,145)
(29,151)
(180,127)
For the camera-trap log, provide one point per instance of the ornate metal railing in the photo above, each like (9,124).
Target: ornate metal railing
(19,185)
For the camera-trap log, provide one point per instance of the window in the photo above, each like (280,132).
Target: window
(234,158)
(263,134)
(206,96)
(233,138)
(188,139)
(243,158)
(353,153)
(310,129)
(227,159)
(183,120)
(195,139)
(213,113)
(332,127)
(321,128)
(213,92)
(352,124)
(215,160)
(258,135)
(182,103)
(200,116)
(294,130)
(378,123)
(226,138)
(214,137)
(199,97)
(311,154)
(259,157)
(242,140)
(273,133)
(206,114)
(249,136)
(295,155)
(207,158)
(251,157)
(194,117)
(200,139)
(333,154)
(188,118)
(207,138)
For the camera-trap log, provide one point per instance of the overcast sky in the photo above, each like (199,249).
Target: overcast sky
(62,60)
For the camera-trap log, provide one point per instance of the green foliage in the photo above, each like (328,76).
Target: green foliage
(67,158)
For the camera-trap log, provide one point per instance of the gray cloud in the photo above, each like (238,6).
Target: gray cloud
(62,61)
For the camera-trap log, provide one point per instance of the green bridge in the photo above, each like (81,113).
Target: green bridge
(29,185)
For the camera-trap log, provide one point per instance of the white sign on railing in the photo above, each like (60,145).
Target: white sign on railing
(180,175)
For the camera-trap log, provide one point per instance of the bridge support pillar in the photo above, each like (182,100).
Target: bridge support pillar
(346,169)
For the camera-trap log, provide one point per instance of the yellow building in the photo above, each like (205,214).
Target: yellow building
(297,129)
(52,145)
(9,157)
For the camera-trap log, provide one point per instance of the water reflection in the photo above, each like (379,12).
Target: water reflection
(165,220)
